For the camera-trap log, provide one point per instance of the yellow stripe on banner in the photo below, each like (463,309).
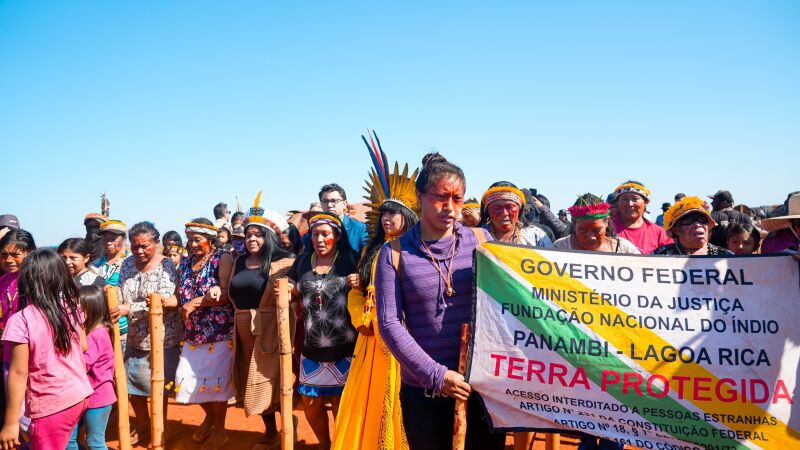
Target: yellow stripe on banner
(779,434)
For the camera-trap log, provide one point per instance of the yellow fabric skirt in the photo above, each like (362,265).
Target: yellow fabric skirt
(369,412)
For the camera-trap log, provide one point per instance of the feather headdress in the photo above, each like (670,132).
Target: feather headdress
(264,218)
(384,186)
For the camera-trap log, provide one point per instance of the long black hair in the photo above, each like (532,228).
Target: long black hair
(46,283)
(20,239)
(75,245)
(272,250)
(95,309)
(371,250)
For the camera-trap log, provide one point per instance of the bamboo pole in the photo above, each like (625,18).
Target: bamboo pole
(460,422)
(552,441)
(120,379)
(285,351)
(156,372)
(523,440)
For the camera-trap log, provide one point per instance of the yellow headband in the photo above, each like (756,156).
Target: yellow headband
(501,192)
(201,228)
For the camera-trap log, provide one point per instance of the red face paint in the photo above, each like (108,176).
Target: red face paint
(504,214)
(590,233)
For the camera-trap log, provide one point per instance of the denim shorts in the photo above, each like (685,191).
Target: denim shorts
(137,368)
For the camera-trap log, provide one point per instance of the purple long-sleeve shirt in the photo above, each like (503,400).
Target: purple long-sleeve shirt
(428,344)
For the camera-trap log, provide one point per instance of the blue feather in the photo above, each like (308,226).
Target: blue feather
(377,167)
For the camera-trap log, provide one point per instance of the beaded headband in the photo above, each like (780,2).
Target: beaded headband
(475,206)
(589,212)
(325,219)
(503,193)
(636,188)
(201,228)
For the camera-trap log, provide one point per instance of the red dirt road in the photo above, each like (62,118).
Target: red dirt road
(245,432)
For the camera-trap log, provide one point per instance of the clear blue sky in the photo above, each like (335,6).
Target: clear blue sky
(171,107)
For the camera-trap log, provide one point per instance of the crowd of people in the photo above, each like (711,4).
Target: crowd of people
(377,305)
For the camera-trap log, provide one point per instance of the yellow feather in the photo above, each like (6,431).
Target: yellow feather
(257,200)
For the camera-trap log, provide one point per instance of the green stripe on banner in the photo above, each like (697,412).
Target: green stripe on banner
(496,282)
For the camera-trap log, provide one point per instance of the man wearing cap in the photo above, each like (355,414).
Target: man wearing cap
(660,219)
(333,199)
(722,210)
(92,222)
(784,230)
(8,222)
(562,216)
(631,199)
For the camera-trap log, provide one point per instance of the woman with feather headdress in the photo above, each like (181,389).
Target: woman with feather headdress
(370,415)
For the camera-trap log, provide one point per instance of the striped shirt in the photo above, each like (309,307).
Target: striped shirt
(420,325)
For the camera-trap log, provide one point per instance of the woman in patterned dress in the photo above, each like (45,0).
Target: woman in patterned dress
(319,280)
(203,375)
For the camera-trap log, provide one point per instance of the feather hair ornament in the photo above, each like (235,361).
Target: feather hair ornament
(383,186)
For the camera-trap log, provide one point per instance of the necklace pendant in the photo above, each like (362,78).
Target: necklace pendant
(449,292)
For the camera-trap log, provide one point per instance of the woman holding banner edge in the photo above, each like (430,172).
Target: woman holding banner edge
(425,281)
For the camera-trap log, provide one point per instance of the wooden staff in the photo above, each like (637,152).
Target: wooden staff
(285,352)
(120,380)
(156,372)
(460,423)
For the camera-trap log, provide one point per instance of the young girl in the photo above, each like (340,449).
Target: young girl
(99,357)
(77,253)
(14,247)
(46,341)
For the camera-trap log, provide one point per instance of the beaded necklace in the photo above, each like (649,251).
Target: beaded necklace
(320,282)
(448,280)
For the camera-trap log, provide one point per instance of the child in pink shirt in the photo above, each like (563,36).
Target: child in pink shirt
(47,366)
(99,357)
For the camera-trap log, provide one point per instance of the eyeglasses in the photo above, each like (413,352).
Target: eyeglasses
(331,202)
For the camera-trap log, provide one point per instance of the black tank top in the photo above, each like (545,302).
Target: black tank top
(247,285)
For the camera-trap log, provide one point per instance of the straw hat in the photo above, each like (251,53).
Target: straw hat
(781,222)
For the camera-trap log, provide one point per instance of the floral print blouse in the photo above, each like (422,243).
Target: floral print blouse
(133,289)
(209,323)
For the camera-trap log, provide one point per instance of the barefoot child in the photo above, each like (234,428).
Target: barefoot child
(47,366)
(99,357)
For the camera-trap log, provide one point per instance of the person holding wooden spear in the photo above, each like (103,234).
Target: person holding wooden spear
(147,272)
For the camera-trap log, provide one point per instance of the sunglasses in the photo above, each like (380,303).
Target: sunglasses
(692,219)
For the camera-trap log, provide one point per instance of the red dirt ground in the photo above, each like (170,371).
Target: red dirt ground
(245,432)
